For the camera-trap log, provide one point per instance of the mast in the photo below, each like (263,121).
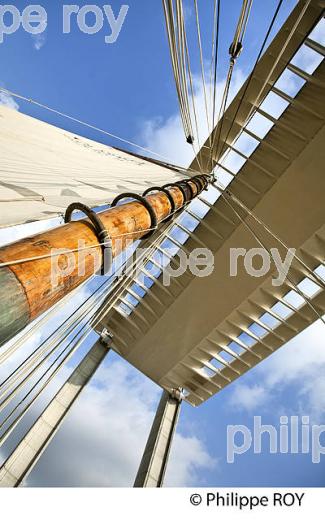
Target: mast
(24,457)
(26,267)
(152,469)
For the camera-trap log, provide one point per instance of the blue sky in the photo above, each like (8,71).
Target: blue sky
(127,88)
(117,87)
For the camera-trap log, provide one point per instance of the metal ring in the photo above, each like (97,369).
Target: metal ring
(146,204)
(200,184)
(188,186)
(203,181)
(197,183)
(207,178)
(181,189)
(99,228)
(170,198)
(191,188)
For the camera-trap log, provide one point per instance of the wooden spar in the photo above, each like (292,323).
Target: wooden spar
(27,288)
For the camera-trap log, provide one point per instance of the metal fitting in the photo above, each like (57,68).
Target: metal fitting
(106,337)
(176,393)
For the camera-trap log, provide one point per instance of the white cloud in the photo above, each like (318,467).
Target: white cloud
(248,397)
(102,440)
(39,40)
(300,363)
(300,358)
(8,101)
(188,455)
(166,136)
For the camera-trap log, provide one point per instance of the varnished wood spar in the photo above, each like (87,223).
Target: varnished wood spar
(27,290)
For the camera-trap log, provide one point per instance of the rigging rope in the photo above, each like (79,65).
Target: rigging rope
(176,34)
(267,80)
(18,379)
(234,51)
(183,77)
(92,127)
(85,248)
(317,279)
(252,72)
(35,326)
(93,321)
(214,60)
(198,27)
(293,285)
(57,335)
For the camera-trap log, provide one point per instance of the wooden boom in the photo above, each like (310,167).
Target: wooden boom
(27,288)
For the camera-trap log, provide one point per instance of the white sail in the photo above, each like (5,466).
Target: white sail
(43,169)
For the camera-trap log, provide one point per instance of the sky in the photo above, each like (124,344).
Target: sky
(127,89)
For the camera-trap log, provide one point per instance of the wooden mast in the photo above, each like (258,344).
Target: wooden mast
(27,287)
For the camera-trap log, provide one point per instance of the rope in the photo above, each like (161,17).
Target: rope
(198,28)
(181,64)
(175,33)
(85,307)
(222,112)
(45,318)
(267,80)
(215,55)
(92,127)
(29,364)
(317,278)
(196,153)
(234,51)
(258,239)
(226,191)
(57,335)
(103,312)
(100,244)
(236,46)
(249,80)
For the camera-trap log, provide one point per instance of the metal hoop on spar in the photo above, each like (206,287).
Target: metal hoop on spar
(100,230)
